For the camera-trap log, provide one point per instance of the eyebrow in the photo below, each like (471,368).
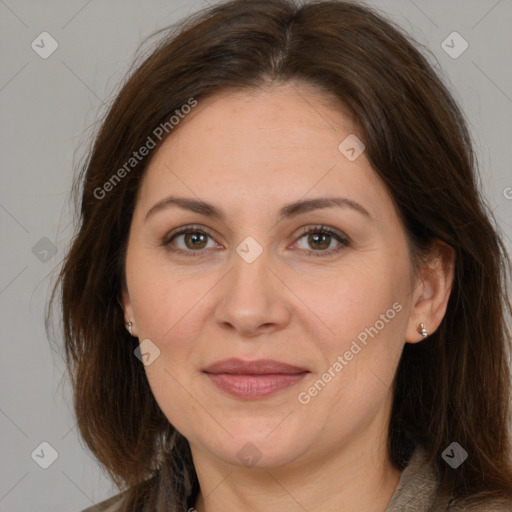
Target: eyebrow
(288,211)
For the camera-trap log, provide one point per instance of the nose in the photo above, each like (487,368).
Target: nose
(254,299)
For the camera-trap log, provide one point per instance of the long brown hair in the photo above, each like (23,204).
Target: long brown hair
(455,386)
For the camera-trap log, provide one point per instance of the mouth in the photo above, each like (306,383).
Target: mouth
(253,379)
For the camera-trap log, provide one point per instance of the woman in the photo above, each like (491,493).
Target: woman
(285,292)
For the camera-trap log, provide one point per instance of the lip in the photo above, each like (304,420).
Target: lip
(256,367)
(253,379)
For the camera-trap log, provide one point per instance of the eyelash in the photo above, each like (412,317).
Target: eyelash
(320,229)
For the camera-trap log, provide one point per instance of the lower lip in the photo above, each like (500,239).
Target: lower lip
(254,386)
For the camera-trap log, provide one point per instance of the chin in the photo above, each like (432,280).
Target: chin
(254,444)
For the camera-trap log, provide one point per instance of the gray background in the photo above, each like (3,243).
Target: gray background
(48,109)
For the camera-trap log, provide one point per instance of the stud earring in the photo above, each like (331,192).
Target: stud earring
(130,328)
(422,330)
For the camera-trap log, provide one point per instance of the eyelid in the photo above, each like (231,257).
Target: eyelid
(193,228)
(185,229)
(321,228)
(342,239)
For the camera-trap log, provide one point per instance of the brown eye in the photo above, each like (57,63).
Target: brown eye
(319,241)
(188,241)
(195,240)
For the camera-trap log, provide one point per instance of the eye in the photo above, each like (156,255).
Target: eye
(188,240)
(321,241)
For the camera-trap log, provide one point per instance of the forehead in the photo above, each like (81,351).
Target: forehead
(277,142)
(279,115)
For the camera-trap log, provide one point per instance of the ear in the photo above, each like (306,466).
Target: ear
(128,310)
(431,292)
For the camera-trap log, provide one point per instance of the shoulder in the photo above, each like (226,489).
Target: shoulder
(113,504)
(418,491)
(488,506)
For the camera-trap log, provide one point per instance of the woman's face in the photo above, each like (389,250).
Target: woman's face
(249,281)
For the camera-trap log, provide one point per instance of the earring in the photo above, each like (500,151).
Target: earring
(130,328)
(422,330)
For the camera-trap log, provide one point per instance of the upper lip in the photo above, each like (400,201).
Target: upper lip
(257,367)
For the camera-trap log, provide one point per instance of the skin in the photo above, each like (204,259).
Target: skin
(250,153)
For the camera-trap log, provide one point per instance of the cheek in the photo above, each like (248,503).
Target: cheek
(366,311)
(355,298)
(165,301)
